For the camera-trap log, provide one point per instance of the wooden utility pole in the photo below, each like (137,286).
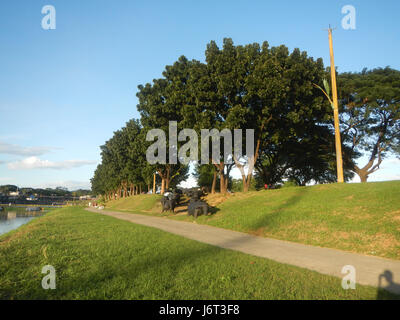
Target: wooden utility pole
(339,161)
(154,184)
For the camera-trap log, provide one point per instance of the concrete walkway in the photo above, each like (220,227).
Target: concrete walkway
(323,260)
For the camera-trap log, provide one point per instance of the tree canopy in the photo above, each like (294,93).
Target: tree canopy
(269,90)
(370,116)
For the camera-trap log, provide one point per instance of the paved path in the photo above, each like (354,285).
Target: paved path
(323,260)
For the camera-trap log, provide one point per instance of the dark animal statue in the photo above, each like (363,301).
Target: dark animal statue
(197,208)
(168,204)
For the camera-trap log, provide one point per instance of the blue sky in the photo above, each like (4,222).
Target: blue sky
(63,92)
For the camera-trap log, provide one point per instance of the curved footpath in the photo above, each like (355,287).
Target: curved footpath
(323,260)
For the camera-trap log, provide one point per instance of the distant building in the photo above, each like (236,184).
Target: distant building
(14,194)
(87,197)
(31,198)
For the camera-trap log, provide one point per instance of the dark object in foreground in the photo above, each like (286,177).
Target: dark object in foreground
(168,204)
(197,208)
(195,194)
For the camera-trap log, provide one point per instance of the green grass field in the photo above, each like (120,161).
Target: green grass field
(362,218)
(100,257)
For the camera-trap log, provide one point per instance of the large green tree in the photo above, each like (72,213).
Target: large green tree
(160,103)
(271,91)
(370,115)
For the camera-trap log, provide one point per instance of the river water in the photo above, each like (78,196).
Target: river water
(14,217)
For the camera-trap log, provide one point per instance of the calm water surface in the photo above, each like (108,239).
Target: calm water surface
(14,217)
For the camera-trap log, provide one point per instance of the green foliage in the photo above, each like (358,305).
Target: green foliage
(271,90)
(290,184)
(123,161)
(370,114)
(59,191)
(204,175)
(8,188)
(237,185)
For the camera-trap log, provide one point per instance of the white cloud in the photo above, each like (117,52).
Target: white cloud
(392,161)
(7,148)
(190,182)
(36,163)
(384,177)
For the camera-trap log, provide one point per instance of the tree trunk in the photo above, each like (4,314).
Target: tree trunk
(162,185)
(251,162)
(163,176)
(363,176)
(167,179)
(214,183)
(245,184)
(222,183)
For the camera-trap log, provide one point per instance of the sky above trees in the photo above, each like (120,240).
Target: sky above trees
(64,92)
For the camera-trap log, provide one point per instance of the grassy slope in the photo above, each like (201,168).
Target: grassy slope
(143,202)
(363,218)
(99,257)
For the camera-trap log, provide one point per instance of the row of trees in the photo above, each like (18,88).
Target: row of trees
(270,90)
(58,191)
(124,170)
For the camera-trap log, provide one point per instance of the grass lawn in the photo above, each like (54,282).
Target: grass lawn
(139,203)
(363,218)
(100,257)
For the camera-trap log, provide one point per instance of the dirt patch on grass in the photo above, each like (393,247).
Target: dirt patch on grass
(260,232)
(381,244)
(217,198)
(341,235)
(357,213)
(303,231)
(394,215)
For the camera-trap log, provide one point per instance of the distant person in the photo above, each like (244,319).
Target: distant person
(265,186)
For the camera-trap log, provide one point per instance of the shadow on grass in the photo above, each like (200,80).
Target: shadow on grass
(172,266)
(277,213)
(391,286)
